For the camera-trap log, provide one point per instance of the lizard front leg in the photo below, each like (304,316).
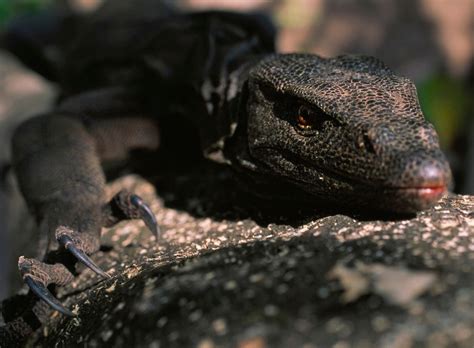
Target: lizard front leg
(59,171)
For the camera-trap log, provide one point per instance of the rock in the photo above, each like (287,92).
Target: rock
(227,273)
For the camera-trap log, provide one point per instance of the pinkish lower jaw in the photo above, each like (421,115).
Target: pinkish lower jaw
(427,193)
(424,187)
(419,198)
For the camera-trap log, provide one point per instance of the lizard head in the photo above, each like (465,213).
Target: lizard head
(345,129)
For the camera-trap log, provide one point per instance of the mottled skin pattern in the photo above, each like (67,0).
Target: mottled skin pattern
(344,130)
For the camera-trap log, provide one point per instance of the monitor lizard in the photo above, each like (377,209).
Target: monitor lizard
(345,131)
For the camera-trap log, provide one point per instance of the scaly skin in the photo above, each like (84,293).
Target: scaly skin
(344,130)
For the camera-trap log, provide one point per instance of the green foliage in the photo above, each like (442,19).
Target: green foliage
(445,103)
(12,8)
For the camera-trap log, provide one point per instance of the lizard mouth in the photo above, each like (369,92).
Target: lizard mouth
(429,189)
(425,192)
(429,194)
(421,190)
(415,198)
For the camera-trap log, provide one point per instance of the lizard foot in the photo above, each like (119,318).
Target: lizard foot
(125,206)
(38,275)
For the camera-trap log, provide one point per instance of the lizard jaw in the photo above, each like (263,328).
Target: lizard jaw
(412,190)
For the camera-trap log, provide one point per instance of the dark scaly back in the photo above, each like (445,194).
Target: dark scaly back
(194,66)
(186,64)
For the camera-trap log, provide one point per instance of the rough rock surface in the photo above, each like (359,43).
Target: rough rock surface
(230,270)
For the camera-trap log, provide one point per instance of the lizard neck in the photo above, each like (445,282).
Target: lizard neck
(226,105)
(200,79)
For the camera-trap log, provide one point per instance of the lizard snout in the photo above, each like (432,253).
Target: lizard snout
(426,173)
(424,181)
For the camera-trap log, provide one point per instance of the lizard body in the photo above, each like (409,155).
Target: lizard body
(343,130)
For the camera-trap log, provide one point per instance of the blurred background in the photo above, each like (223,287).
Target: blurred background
(428,41)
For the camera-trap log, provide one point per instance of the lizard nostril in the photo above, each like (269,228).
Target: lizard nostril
(364,142)
(369,145)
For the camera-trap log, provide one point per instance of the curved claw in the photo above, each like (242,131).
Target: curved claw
(146,215)
(68,243)
(43,293)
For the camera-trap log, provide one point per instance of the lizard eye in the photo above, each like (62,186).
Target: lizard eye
(308,119)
